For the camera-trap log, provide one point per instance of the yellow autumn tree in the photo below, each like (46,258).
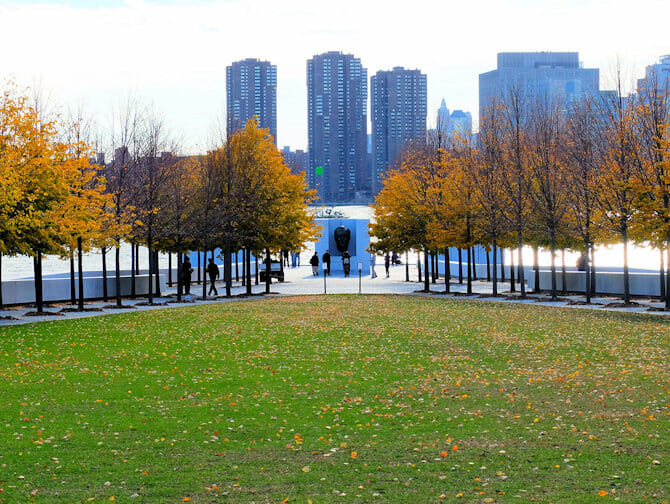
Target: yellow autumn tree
(31,183)
(402,209)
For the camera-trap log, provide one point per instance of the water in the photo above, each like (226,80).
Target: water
(644,258)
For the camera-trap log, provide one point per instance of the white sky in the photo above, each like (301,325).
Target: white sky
(174,52)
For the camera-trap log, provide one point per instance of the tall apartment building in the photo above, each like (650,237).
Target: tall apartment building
(337,124)
(656,81)
(398,108)
(542,77)
(251,91)
(295,160)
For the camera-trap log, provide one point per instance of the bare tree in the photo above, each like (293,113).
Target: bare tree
(516,184)
(548,187)
(582,176)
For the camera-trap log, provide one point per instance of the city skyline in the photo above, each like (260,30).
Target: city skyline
(184,75)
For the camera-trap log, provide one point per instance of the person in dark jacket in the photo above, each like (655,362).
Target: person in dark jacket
(346,263)
(185,273)
(387,264)
(326,260)
(314,261)
(213,271)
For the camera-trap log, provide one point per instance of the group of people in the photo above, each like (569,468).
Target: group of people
(387,265)
(187,271)
(213,269)
(325,259)
(346,263)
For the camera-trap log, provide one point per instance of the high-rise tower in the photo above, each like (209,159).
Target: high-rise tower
(337,123)
(398,103)
(251,91)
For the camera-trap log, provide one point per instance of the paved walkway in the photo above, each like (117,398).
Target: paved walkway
(299,281)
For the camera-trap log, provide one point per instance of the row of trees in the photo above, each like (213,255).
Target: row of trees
(56,199)
(557,176)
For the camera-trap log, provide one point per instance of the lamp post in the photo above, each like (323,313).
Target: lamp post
(360,274)
(325,274)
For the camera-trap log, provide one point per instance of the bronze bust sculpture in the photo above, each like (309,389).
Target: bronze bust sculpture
(342,237)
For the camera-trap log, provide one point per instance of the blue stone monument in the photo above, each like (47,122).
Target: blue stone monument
(339,235)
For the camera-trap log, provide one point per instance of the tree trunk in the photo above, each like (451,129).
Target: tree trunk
(587,274)
(418,265)
(198,254)
(433,265)
(406,266)
(522,273)
(495,272)
(426,273)
(553,264)
(180,287)
(105,294)
(80,268)
(474,264)
(73,288)
(133,261)
(237,269)
(268,269)
(150,290)
(536,269)
(247,255)
(593,269)
(169,282)
(662,278)
(667,277)
(469,266)
(227,269)
(157,271)
(37,268)
(256,270)
(512,286)
(460,266)
(502,264)
(488,265)
(626,277)
(137,259)
(244,266)
(447,273)
(204,273)
(564,273)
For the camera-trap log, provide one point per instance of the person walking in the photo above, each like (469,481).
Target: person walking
(326,260)
(387,264)
(314,261)
(213,271)
(346,262)
(373,262)
(185,273)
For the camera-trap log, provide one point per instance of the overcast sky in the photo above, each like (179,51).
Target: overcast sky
(174,52)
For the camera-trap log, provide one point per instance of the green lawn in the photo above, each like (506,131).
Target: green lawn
(337,399)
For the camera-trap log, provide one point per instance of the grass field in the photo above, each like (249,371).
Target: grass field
(337,399)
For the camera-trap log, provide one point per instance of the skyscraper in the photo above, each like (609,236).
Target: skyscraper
(251,91)
(656,79)
(337,123)
(398,102)
(541,77)
(443,118)
(460,123)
